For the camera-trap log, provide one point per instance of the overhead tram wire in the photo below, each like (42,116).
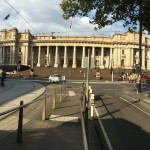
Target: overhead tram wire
(22,17)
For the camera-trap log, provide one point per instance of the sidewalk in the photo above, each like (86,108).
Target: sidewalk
(16,90)
(61,131)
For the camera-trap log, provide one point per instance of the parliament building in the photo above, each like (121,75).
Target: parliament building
(117,51)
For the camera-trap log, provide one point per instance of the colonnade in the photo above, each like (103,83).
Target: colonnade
(59,55)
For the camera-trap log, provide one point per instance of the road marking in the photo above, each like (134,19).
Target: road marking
(130,97)
(63,118)
(110,89)
(135,106)
(71,93)
(103,130)
(121,85)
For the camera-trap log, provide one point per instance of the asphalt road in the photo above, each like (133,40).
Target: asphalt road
(125,119)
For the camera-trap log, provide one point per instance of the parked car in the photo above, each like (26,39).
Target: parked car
(56,78)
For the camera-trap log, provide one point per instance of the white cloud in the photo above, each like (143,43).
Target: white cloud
(45,16)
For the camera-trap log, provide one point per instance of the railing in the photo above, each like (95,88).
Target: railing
(84,119)
(88,111)
(44,106)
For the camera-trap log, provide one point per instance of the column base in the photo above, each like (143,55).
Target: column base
(74,66)
(101,67)
(38,65)
(55,65)
(64,65)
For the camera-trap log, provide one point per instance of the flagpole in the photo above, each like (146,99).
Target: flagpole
(71,27)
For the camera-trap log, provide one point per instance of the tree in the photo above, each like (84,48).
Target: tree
(134,14)
(107,12)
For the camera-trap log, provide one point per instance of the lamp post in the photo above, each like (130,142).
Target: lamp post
(1,65)
(134,67)
(87,83)
(112,72)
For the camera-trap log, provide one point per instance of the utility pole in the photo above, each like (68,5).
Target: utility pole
(140,50)
(88,68)
(112,70)
(32,61)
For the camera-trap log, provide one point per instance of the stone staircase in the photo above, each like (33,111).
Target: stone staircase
(70,73)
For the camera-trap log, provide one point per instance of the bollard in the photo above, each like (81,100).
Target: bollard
(90,92)
(92,101)
(54,100)
(61,93)
(44,110)
(20,121)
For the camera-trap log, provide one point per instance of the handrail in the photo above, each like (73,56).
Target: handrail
(22,106)
(85,142)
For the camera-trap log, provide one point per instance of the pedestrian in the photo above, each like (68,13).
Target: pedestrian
(2,82)
(3,77)
(138,84)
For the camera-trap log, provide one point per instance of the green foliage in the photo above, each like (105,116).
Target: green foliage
(108,12)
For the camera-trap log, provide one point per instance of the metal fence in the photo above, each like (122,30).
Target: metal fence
(17,118)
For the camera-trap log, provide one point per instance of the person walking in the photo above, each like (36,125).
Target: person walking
(3,77)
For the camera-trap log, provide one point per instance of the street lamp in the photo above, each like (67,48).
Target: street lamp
(134,67)
(112,72)
(1,65)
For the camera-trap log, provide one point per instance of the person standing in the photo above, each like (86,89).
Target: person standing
(138,84)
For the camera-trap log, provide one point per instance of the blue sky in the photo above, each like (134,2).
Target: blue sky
(45,16)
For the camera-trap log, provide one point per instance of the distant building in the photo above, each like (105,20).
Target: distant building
(117,51)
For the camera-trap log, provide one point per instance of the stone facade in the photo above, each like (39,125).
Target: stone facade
(117,51)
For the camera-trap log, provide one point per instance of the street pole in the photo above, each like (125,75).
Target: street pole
(112,76)
(32,59)
(87,85)
(87,95)
(88,68)
(112,73)
(140,53)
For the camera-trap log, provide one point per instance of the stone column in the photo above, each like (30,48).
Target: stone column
(32,57)
(111,58)
(56,57)
(143,58)
(115,58)
(50,56)
(3,53)
(26,55)
(93,51)
(148,60)
(74,65)
(128,58)
(119,56)
(65,57)
(13,54)
(83,56)
(39,57)
(132,57)
(102,58)
(10,55)
(47,57)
